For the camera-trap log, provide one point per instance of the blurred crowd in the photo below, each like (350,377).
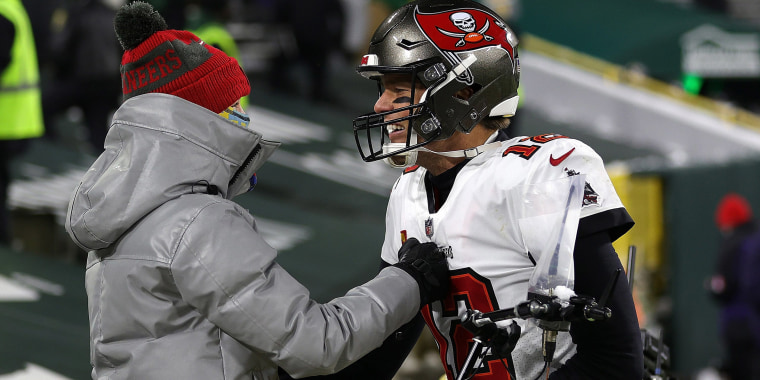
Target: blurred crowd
(79,55)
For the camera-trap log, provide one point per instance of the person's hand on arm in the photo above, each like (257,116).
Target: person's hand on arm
(427,265)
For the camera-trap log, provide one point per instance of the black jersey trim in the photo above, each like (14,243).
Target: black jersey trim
(615,221)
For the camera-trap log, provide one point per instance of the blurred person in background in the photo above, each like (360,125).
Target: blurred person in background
(180,283)
(174,12)
(317,28)
(206,19)
(20,100)
(448,75)
(42,19)
(736,286)
(86,58)
(719,6)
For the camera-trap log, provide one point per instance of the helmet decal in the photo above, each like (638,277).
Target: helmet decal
(369,60)
(465,29)
(466,23)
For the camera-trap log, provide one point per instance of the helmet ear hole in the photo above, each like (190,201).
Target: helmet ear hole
(465,93)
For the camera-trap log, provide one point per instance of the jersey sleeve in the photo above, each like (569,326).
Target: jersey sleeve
(602,208)
(393,237)
(390,244)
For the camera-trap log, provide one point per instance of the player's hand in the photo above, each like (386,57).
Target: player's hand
(427,264)
(505,339)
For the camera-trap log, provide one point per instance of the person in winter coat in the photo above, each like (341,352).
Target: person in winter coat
(180,284)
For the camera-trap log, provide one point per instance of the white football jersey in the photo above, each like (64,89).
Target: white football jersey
(490,265)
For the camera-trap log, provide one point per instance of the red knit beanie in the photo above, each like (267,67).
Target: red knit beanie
(174,62)
(733,210)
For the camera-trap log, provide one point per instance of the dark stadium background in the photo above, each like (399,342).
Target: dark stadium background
(323,208)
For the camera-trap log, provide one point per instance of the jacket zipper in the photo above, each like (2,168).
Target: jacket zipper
(245,164)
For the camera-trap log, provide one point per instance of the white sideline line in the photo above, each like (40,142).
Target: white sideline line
(33,372)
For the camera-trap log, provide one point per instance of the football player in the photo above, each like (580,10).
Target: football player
(448,74)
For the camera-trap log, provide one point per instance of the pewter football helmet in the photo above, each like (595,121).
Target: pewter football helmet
(447,46)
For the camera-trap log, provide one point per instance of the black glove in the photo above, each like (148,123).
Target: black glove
(428,266)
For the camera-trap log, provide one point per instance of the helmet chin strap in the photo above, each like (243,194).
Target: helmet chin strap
(410,157)
(467,153)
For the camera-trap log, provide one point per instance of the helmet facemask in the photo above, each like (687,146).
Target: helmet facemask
(371,130)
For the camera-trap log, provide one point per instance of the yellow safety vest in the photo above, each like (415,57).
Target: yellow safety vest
(20,95)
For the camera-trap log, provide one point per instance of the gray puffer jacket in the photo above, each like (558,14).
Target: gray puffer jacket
(180,284)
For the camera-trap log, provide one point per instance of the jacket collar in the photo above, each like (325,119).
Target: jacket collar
(158,148)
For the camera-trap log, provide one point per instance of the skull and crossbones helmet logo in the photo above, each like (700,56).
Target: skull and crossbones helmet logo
(466,23)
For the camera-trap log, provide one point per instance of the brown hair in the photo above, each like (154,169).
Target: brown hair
(495,123)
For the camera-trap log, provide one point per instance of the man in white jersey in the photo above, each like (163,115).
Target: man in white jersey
(448,74)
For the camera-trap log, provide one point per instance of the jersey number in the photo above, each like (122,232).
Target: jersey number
(476,292)
(526,151)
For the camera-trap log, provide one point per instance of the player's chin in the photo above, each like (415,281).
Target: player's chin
(398,160)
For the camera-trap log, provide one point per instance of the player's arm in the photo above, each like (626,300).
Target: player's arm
(383,362)
(246,293)
(608,349)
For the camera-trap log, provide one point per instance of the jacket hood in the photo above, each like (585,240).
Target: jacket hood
(158,148)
